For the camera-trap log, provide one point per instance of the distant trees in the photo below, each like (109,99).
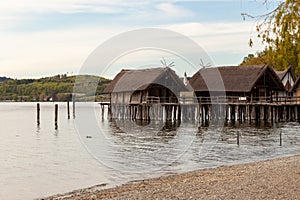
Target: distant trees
(279,30)
(3,78)
(58,87)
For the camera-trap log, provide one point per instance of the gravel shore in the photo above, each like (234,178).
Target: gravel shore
(271,179)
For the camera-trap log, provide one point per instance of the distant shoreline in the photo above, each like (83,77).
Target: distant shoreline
(271,179)
(54,88)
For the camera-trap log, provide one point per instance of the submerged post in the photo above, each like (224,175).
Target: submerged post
(56,116)
(73,105)
(68,109)
(38,113)
(280,138)
(238,138)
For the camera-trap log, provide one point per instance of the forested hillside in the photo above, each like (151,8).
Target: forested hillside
(3,78)
(56,88)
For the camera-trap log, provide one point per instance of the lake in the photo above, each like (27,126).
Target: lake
(38,161)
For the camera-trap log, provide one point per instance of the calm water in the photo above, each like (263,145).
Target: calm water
(37,161)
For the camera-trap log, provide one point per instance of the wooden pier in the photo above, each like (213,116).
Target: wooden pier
(203,109)
(234,93)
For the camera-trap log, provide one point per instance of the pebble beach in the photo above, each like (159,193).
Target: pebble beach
(271,179)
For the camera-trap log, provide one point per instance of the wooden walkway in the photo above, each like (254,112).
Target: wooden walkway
(208,109)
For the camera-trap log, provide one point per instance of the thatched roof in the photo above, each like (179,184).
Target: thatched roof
(233,78)
(281,74)
(133,80)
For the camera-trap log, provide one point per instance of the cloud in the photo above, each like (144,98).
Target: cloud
(17,11)
(225,43)
(230,36)
(59,51)
(22,13)
(34,54)
(36,6)
(172,11)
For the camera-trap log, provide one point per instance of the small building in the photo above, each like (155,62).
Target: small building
(287,78)
(187,97)
(241,83)
(138,90)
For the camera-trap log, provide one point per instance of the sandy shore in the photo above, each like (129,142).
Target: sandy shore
(271,179)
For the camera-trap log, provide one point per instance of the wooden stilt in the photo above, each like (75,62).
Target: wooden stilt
(38,113)
(56,116)
(68,109)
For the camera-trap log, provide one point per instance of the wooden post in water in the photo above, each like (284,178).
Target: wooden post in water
(73,99)
(238,138)
(179,113)
(109,113)
(174,113)
(296,113)
(233,113)
(199,115)
(102,111)
(280,138)
(38,113)
(68,109)
(56,116)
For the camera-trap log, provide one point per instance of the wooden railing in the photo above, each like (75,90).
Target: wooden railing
(224,99)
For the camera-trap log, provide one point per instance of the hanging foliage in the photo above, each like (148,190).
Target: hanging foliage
(279,30)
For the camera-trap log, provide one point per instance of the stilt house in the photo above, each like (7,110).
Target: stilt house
(140,89)
(287,78)
(144,86)
(238,83)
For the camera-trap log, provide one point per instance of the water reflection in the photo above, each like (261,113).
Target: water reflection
(143,147)
(256,124)
(141,130)
(38,129)
(142,122)
(165,144)
(56,132)
(169,128)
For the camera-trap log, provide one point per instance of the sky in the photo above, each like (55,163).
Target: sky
(41,38)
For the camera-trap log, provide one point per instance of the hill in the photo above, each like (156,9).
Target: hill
(3,78)
(55,88)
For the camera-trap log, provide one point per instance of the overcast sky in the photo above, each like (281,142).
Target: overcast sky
(47,37)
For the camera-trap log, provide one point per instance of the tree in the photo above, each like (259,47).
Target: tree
(258,59)
(280,32)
